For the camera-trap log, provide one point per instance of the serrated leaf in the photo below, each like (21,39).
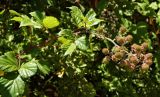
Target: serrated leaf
(15,87)
(76,14)
(29,22)
(71,49)
(93,22)
(8,62)
(50,22)
(66,32)
(81,43)
(90,15)
(38,16)
(43,68)
(28,69)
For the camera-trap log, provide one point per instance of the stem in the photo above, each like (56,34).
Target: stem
(112,41)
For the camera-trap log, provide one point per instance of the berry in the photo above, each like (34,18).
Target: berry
(122,29)
(149,62)
(124,63)
(144,67)
(133,59)
(105,51)
(148,56)
(120,40)
(144,46)
(106,60)
(119,55)
(132,66)
(114,58)
(129,38)
(136,48)
(116,49)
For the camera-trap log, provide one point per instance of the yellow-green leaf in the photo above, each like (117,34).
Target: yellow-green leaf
(50,22)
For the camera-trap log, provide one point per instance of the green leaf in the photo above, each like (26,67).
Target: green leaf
(38,16)
(1,12)
(13,12)
(76,14)
(17,19)
(154,5)
(28,69)
(50,22)
(43,68)
(29,22)
(90,15)
(81,43)
(70,50)
(66,33)
(8,62)
(90,19)
(15,87)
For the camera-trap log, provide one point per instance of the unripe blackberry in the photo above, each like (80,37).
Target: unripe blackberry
(148,56)
(129,38)
(114,58)
(134,59)
(141,57)
(136,48)
(119,55)
(132,66)
(149,62)
(105,51)
(120,40)
(116,49)
(124,63)
(144,67)
(144,46)
(122,29)
(106,60)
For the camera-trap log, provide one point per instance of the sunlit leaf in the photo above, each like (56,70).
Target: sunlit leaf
(15,86)
(13,12)
(38,16)
(17,19)
(71,49)
(81,43)
(8,62)
(76,14)
(29,22)
(50,22)
(28,69)
(44,69)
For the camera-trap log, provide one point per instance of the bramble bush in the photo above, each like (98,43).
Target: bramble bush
(79,48)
